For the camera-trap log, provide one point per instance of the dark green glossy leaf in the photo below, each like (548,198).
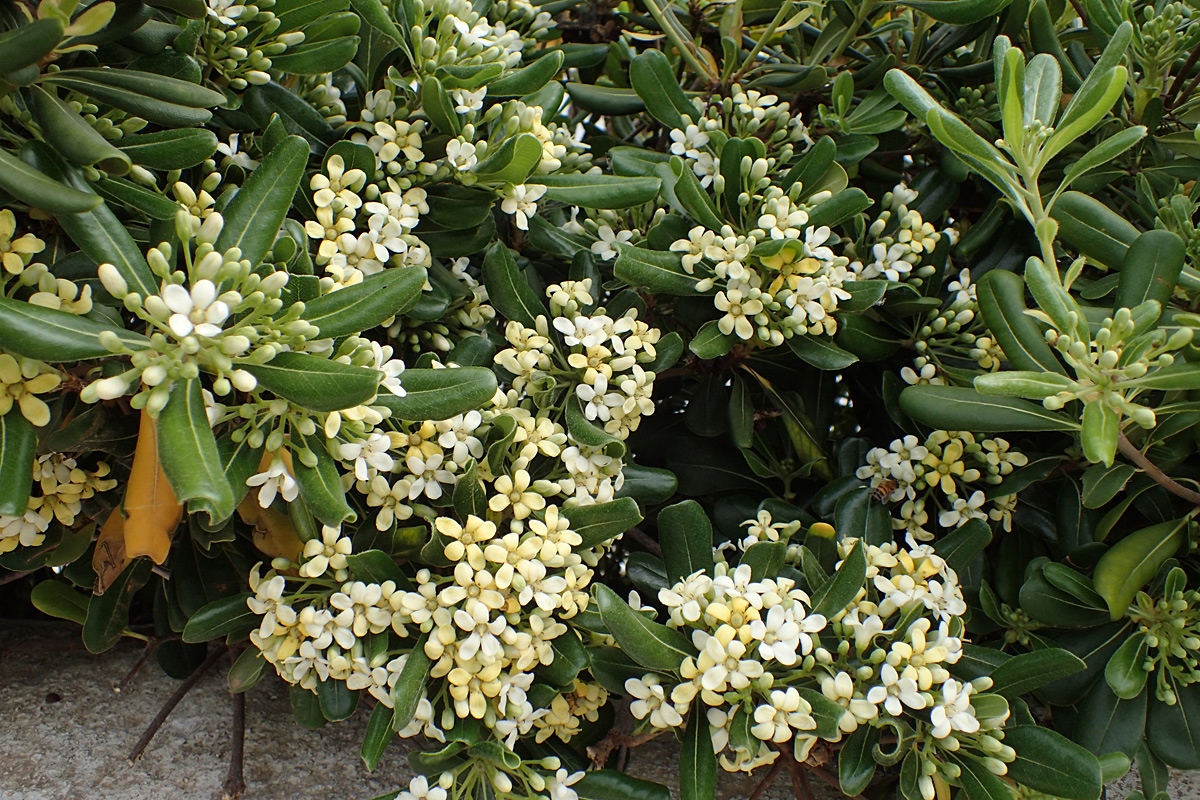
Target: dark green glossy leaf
(187,449)
(316,383)
(439,393)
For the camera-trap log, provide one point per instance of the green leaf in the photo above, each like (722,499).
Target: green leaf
(528,79)
(224,617)
(1001,296)
(600,522)
(1129,564)
(469,496)
(1029,671)
(72,136)
(255,214)
(599,191)
(1030,385)
(960,408)
(960,547)
(1099,433)
(336,700)
(365,305)
(1101,483)
(710,343)
(1125,671)
(585,431)
(440,393)
(508,291)
(648,485)
(1092,228)
(320,485)
(820,352)
(1174,731)
(40,191)
(843,585)
(410,686)
(857,515)
(607,100)
(138,198)
(246,671)
(978,782)
(686,536)
(652,645)
(511,162)
(315,383)
(59,600)
(296,115)
(306,708)
(378,736)
(165,101)
(18,451)
(1049,762)
(856,764)
(958,12)
(1150,269)
(659,271)
(1104,84)
(608,784)
(108,613)
(28,44)
(1102,153)
(437,105)
(839,208)
(697,762)
(653,79)
(187,449)
(170,149)
(570,657)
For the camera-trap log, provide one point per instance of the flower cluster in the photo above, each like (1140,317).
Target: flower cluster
(771,670)
(951,336)
(1170,632)
(240,39)
(935,478)
(215,309)
(61,487)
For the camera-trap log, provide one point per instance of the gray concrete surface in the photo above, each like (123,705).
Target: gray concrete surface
(66,734)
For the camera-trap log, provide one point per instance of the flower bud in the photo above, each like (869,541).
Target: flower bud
(109,388)
(243,380)
(112,281)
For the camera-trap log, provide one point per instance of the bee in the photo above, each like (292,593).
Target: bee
(884,490)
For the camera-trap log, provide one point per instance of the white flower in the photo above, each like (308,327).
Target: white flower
(233,156)
(606,248)
(953,712)
(460,154)
(328,552)
(467,101)
(419,789)
(392,368)
(651,700)
(687,142)
(276,480)
(428,474)
(198,312)
(368,456)
(558,786)
(896,688)
(964,511)
(521,202)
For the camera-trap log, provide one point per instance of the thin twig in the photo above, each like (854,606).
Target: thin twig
(15,576)
(1177,84)
(1157,475)
(235,781)
(173,701)
(645,541)
(766,782)
(147,651)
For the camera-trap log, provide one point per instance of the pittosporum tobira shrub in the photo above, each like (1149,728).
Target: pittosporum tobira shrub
(815,377)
